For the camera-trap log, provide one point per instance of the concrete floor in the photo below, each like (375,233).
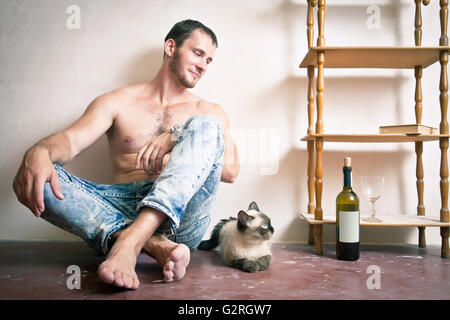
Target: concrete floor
(38,270)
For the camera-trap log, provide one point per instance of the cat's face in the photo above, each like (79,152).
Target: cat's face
(254,224)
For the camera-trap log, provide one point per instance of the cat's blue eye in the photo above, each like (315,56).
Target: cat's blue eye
(264,226)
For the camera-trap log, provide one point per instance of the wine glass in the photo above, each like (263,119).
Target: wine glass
(372,187)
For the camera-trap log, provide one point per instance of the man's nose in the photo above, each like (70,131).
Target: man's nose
(201,66)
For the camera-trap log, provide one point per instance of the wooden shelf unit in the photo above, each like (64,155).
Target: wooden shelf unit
(374,138)
(387,220)
(417,58)
(374,57)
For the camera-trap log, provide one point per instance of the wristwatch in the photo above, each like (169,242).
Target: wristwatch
(176,131)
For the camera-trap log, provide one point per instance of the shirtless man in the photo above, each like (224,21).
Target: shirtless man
(170,149)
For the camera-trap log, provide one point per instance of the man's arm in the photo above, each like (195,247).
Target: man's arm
(37,165)
(231,165)
(151,157)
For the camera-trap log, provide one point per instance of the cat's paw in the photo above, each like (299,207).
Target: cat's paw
(250,266)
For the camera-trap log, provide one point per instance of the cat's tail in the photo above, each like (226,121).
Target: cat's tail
(214,240)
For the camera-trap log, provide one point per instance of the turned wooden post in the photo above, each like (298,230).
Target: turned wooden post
(311,189)
(311,131)
(418,111)
(310,22)
(310,144)
(443,128)
(318,212)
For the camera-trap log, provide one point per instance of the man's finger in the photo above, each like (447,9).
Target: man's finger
(146,158)
(28,196)
(153,157)
(159,163)
(139,156)
(54,184)
(38,194)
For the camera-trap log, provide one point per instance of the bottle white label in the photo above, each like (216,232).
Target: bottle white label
(349,226)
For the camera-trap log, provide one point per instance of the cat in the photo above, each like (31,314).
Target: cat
(244,242)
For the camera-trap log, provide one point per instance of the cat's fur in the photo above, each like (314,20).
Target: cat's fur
(244,242)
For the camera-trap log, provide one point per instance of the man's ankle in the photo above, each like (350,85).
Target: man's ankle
(138,233)
(159,247)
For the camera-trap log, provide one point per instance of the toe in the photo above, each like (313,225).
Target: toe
(168,276)
(169,266)
(127,281)
(106,274)
(135,284)
(118,280)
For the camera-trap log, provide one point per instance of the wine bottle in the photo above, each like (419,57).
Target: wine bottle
(347,218)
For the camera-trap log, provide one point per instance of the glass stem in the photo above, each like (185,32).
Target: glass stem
(372,208)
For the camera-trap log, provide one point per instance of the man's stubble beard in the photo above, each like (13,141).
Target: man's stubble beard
(176,69)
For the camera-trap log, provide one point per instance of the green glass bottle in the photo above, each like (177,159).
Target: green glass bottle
(347,218)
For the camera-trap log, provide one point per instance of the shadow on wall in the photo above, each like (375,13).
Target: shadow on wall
(361,97)
(143,67)
(94,163)
(285,104)
(293,167)
(290,17)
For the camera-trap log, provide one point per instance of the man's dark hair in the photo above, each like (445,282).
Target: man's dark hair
(183,29)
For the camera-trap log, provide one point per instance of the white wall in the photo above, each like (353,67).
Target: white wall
(49,74)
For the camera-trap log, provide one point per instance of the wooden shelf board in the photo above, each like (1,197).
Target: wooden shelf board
(388,221)
(374,137)
(374,57)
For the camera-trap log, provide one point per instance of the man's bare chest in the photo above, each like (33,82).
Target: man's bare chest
(134,127)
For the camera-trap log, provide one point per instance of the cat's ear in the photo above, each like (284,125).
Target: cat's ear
(253,206)
(244,218)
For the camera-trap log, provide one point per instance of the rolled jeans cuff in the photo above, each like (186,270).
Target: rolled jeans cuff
(174,220)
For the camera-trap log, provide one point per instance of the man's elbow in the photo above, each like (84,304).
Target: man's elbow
(229,179)
(230,175)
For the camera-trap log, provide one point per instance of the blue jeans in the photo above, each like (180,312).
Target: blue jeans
(185,191)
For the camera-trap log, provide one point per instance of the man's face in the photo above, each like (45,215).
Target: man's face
(190,61)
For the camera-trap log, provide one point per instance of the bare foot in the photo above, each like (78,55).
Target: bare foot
(118,268)
(172,257)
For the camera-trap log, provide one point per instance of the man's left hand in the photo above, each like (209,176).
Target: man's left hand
(151,155)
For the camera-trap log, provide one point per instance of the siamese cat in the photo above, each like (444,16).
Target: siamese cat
(244,242)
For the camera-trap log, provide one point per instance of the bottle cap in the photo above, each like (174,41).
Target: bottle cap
(347,162)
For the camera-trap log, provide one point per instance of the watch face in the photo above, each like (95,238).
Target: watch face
(176,128)
(176,132)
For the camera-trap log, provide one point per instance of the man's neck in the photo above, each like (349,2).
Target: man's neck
(167,89)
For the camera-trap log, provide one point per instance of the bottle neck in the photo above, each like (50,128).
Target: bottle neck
(347,178)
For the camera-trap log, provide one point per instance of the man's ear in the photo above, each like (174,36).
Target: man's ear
(169,47)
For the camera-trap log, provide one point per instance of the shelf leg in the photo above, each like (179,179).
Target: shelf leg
(422,238)
(420,189)
(444,197)
(443,127)
(311,181)
(445,245)
(418,111)
(318,212)
(311,234)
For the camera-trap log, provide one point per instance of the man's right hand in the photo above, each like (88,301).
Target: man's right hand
(36,169)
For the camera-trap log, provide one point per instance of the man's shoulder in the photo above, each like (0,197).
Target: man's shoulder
(215,110)
(118,97)
(209,107)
